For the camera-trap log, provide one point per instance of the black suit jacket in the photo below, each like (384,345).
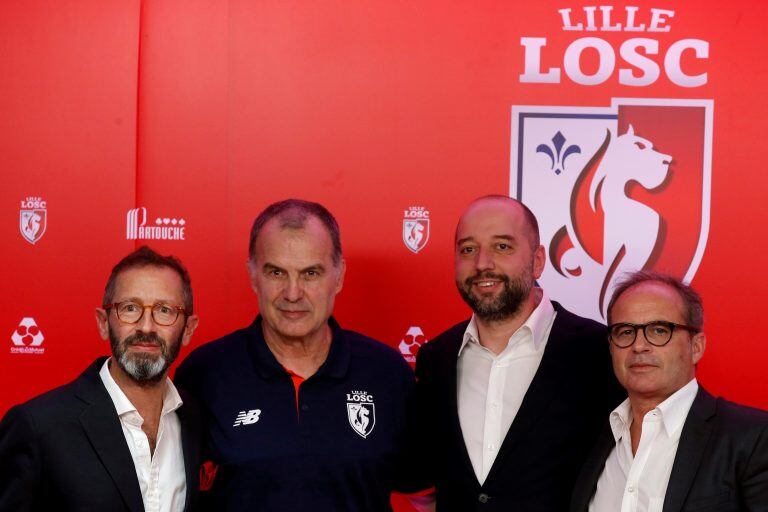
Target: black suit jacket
(571,394)
(65,451)
(721,463)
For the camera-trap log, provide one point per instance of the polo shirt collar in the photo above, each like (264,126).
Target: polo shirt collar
(268,367)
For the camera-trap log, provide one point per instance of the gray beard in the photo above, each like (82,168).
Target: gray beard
(506,305)
(144,369)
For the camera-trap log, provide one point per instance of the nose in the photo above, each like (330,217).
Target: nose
(641,342)
(146,323)
(484,260)
(293,291)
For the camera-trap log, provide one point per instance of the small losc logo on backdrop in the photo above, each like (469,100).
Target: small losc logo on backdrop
(33,219)
(27,338)
(415,228)
(163,228)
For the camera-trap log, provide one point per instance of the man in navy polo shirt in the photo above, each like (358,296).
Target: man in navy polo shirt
(302,414)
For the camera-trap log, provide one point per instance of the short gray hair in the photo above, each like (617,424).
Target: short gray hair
(293,214)
(694,308)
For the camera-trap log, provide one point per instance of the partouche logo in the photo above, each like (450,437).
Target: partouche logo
(33,219)
(415,228)
(27,338)
(164,228)
(411,342)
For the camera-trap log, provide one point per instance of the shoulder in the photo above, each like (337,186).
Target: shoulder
(577,325)
(447,341)
(740,417)
(368,349)
(49,409)
(222,350)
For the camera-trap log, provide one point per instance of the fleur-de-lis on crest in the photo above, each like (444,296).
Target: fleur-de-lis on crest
(558,156)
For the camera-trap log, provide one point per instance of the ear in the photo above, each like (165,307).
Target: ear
(630,130)
(539,261)
(251,266)
(189,328)
(342,271)
(698,345)
(102,323)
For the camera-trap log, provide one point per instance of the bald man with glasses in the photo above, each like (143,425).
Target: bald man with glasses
(671,446)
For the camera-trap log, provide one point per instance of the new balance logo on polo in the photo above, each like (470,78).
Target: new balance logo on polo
(247,417)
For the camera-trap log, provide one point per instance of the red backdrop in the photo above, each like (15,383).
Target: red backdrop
(206,111)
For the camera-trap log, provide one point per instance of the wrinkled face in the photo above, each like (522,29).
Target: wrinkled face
(145,350)
(646,371)
(495,266)
(295,279)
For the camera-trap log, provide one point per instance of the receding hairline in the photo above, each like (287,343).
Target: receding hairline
(298,222)
(529,219)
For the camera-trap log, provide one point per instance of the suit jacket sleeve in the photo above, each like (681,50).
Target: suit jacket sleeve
(755,480)
(20,468)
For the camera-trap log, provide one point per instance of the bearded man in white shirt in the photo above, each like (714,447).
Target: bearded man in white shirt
(512,399)
(119,437)
(671,446)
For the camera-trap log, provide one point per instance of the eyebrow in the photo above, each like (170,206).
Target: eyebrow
(496,237)
(316,266)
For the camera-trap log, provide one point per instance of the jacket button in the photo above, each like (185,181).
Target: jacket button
(483,498)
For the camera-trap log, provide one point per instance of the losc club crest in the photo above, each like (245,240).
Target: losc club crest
(33,219)
(615,189)
(361,412)
(415,228)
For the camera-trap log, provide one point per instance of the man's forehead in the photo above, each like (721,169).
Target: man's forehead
(649,297)
(148,279)
(501,217)
(309,242)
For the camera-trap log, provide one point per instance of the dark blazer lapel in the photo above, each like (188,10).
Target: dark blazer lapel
(693,440)
(593,468)
(190,435)
(102,426)
(541,391)
(451,364)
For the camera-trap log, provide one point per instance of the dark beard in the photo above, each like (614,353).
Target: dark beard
(506,305)
(144,369)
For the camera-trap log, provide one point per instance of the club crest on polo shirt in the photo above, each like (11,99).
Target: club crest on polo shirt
(361,412)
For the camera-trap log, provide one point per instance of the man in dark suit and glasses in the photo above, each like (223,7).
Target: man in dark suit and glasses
(119,437)
(512,399)
(671,446)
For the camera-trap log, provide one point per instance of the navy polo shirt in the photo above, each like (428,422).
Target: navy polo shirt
(341,447)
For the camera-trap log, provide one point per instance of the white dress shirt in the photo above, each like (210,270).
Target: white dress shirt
(639,483)
(491,387)
(161,475)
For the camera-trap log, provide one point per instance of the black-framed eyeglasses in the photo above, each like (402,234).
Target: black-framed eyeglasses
(130,312)
(657,333)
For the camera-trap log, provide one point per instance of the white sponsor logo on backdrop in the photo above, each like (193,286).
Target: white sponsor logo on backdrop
(361,412)
(611,201)
(33,219)
(27,338)
(411,342)
(415,228)
(162,228)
